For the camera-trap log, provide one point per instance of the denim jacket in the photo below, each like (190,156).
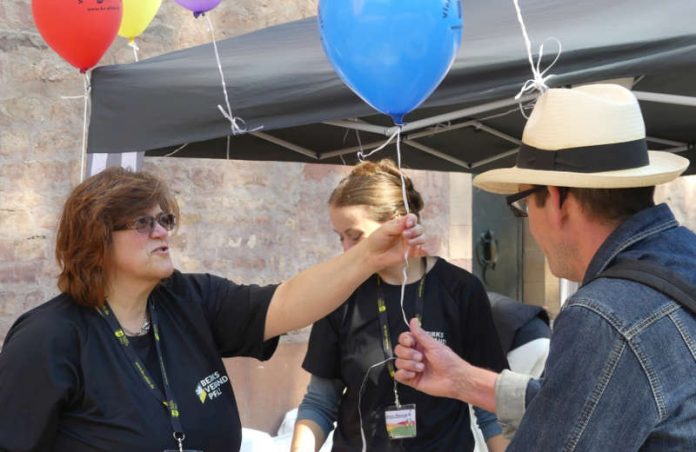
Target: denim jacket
(621,372)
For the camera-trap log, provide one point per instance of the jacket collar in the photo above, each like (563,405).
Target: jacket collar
(643,224)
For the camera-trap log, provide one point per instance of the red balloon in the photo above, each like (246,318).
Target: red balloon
(80,31)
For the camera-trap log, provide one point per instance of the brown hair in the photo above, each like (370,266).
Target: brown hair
(83,245)
(378,186)
(608,204)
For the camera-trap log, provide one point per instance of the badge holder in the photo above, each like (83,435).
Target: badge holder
(179,437)
(400,419)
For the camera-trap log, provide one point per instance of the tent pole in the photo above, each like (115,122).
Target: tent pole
(350,150)
(436,153)
(494,158)
(498,133)
(286,144)
(471,111)
(359,125)
(678,149)
(437,129)
(674,99)
(667,142)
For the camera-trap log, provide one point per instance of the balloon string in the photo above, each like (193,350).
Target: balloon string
(404,269)
(88,88)
(360,393)
(134,46)
(362,156)
(538,82)
(237,124)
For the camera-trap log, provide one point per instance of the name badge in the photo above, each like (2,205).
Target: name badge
(401,421)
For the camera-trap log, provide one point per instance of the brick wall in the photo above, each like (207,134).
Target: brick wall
(252,222)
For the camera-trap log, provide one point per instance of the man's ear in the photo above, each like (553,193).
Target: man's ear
(555,207)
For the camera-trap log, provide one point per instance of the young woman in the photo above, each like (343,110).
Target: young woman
(128,356)
(345,345)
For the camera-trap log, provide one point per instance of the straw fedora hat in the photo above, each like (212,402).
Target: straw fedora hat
(591,136)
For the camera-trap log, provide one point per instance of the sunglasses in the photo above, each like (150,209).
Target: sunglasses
(518,202)
(146,224)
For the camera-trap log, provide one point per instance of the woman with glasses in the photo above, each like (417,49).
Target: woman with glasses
(348,356)
(128,356)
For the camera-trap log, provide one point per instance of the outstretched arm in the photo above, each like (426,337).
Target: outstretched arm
(431,367)
(315,292)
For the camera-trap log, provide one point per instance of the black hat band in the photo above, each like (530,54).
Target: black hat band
(586,159)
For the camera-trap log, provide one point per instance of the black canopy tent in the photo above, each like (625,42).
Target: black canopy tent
(280,81)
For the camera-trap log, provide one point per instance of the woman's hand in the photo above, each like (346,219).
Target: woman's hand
(313,293)
(389,244)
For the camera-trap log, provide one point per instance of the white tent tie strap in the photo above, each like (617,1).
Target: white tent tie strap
(237,124)
(538,82)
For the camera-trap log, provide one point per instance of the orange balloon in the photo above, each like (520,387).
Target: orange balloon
(80,31)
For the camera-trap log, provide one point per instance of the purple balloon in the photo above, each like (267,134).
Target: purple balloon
(198,6)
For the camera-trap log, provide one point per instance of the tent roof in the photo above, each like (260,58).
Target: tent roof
(280,81)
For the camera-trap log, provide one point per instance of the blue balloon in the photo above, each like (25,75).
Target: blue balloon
(391,53)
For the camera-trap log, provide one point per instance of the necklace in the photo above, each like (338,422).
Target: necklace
(144,329)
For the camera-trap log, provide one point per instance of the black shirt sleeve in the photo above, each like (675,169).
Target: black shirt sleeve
(237,317)
(39,375)
(324,350)
(536,328)
(481,342)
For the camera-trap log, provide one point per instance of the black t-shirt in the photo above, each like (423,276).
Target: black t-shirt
(347,342)
(66,383)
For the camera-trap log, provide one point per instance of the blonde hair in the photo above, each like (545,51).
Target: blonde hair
(377,185)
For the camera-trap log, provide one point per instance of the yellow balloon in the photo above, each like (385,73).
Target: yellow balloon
(137,15)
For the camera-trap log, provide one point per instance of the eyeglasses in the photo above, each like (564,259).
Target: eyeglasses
(146,224)
(518,201)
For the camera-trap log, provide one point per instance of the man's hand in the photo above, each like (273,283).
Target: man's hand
(426,364)
(431,367)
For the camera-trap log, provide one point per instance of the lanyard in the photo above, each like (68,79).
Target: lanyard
(167,399)
(384,320)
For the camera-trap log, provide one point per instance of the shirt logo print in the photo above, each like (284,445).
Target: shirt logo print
(210,387)
(438,336)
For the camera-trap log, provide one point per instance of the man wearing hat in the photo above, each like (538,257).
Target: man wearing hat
(621,372)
